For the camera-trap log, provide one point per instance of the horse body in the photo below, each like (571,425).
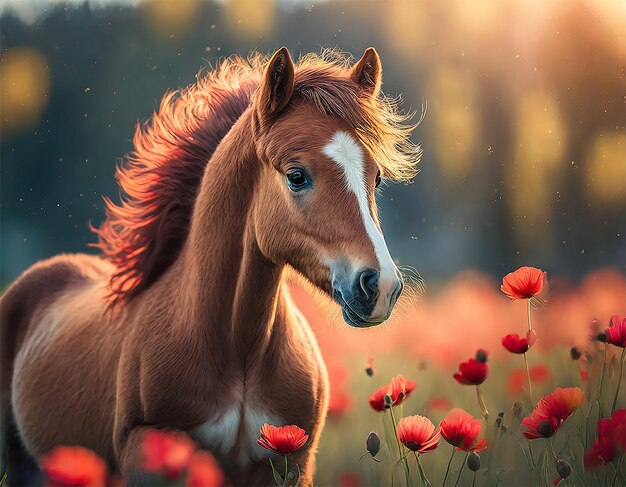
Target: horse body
(213,345)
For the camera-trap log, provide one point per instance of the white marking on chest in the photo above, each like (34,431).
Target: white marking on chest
(347,153)
(220,435)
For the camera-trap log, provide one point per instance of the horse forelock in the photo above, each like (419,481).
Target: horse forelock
(143,234)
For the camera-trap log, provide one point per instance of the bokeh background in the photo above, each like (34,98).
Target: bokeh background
(523,137)
(524,164)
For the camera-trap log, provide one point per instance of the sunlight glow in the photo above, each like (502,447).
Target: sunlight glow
(24,86)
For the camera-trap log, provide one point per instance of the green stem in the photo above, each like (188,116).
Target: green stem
(474,479)
(530,325)
(617,469)
(552,449)
(481,403)
(619,381)
(285,478)
(419,468)
(530,384)
(445,477)
(407,472)
(461,470)
(601,382)
(532,458)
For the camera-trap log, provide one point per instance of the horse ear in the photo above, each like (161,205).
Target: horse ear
(368,72)
(277,83)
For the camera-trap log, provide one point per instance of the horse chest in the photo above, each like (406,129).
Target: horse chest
(236,429)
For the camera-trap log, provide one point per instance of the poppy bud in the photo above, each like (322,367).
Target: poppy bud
(388,401)
(574,353)
(544,428)
(373,443)
(473,461)
(518,409)
(601,337)
(481,356)
(563,468)
(369,371)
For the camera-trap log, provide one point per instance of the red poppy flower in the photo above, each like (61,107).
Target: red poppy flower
(610,442)
(203,471)
(551,411)
(524,283)
(616,332)
(418,434)
(472,372)
(398,390)
(460,429)
(349,479)
(282,439)
(73,466)
(514,344)
(338,403)
(439,403)
(518,381)
(166,452)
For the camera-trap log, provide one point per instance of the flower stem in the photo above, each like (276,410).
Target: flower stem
(461,470)
(552,449)
(286,477)
(445,477)
(481,403)
(619,381)
(601,381)
(420,469)
(407,472)
(617,469)
(530,325)
(530,384)
(474,479)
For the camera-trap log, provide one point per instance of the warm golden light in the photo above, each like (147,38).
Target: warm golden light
(250,18)
(24,86)
(532,176)
(455,125)
(606,169)
(167,18)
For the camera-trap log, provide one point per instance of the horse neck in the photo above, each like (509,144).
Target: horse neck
(229,289)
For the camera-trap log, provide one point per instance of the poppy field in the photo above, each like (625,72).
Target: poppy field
(540,403)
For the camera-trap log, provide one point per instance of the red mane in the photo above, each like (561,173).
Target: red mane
(159,180)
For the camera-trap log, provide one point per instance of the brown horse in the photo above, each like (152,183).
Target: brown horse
(259,167)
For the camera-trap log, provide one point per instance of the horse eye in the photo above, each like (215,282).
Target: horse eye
(377,178)
(297,179)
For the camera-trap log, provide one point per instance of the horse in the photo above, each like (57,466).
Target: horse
(261,169)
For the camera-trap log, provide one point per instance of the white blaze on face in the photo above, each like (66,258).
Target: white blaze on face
(347,153)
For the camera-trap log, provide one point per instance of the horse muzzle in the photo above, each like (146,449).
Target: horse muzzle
(365,300)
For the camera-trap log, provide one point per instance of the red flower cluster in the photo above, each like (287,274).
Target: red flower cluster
(398,390)
(167,453)
(170,454)
(203,471)
(73,466)
(616,332)
(473,372)
(282,439)
(611,441)
(418,434)
(551,411)
(514,344)
(524,283)
(460,429)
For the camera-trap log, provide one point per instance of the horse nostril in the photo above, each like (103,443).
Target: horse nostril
(368,281)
